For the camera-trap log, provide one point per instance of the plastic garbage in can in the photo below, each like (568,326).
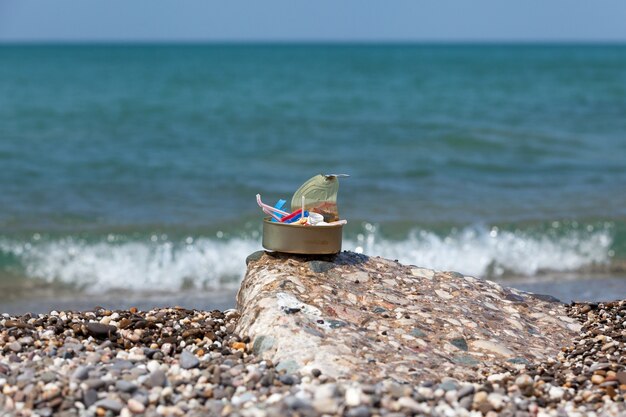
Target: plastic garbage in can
(313,226)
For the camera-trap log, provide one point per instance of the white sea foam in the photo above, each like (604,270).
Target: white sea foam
(148,265)
(489,252)
(160,264)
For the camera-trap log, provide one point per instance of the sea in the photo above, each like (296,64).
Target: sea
(128,172)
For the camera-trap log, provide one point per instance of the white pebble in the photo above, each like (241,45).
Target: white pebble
(425,392)
(353,396)
(523,380)
(496,400)
(409,403)
(47,335)
(154,396)
(556,393)
(166,348)
(274,398)
(135,406)
(153,366)
(498,377)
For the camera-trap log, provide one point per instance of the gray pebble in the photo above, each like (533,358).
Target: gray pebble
(150,352)
(289,365)
(396,390)
(599,366)
(48,376)
(188,360)
(465,391)
(156,379)
(89,397)
(26,376)
(254,256)
(218,393)
(15,346)
(459,343)
(110,404)
(143,399)
(286,379)
(262,343)
(76,347)
(319,267)
(137,372)
(94,383)
(360,411)
(466,402)
(417,333)
(296,403)
(125,386)
(545,297)
(121,364)
(448,385)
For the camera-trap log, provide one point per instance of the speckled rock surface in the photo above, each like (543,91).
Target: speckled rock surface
(365,318)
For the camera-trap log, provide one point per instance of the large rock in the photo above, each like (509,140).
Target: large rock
(356,317)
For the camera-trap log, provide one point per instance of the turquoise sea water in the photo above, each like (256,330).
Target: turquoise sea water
(136,166)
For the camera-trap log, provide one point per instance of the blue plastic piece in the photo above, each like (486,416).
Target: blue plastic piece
(279,205)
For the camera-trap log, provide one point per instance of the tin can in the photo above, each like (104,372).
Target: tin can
(299,239)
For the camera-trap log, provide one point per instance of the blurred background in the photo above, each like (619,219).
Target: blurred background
(485,137)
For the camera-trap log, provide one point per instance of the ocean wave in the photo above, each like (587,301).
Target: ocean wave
(491,252)
(153,265)
(162,264)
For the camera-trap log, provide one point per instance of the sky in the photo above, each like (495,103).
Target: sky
(317,20)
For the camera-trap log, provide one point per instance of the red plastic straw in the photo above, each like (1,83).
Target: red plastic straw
(291,216)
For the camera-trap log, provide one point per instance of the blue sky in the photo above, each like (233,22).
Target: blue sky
(321,20)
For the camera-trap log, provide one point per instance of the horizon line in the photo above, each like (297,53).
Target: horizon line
(364,42)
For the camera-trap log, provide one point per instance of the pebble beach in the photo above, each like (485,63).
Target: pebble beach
(175,361)
(129,171)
